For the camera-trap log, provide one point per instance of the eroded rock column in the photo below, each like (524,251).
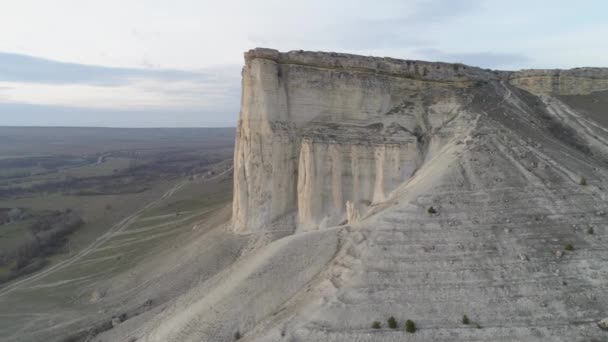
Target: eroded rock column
(264,186)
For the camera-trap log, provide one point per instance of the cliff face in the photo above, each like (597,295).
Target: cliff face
(320,132)
(513,164)
(322,136)
(579,81)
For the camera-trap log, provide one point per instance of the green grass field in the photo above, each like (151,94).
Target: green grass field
(10,233)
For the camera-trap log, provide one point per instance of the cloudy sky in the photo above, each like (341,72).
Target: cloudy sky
(149,63)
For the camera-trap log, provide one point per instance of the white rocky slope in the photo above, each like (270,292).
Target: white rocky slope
(339,159)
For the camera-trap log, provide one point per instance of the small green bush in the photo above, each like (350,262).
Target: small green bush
(590,231)
(477,326)
(392,323)
(410,326)
(376,325)
(569,247)
(237,335)
(465,320)
(583,181)
(432,210)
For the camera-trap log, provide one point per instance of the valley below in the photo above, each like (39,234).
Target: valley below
(84,205)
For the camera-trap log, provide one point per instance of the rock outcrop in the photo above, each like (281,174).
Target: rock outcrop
(512,163)
(367,188)
(320,130)
(579,81)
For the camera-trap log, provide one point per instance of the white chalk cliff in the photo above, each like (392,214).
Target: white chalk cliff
(338,162)
(319,132)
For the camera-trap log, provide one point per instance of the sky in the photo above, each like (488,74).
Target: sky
(136,63)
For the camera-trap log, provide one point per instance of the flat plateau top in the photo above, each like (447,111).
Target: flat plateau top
(423,69)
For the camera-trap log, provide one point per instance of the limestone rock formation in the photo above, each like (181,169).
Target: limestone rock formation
(579,81)
(339,159)
(327,139)
(318,130)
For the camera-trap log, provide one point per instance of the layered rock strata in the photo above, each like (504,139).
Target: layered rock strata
(318,131)
(579,81)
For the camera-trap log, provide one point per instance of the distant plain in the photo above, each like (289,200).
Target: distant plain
(103,175)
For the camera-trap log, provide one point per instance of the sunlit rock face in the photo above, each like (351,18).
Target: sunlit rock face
(318,130)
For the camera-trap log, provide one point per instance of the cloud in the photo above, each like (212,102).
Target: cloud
(136,94)
(23,68)
(3,91)
(352,26)
(37,81)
